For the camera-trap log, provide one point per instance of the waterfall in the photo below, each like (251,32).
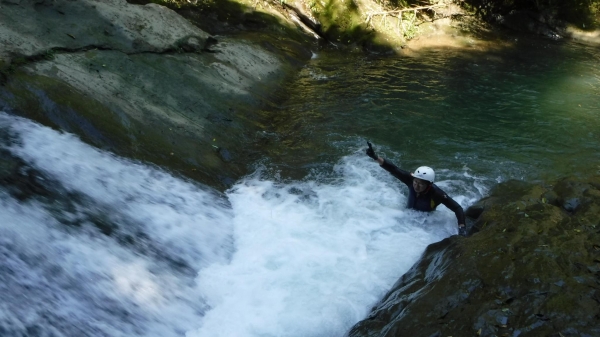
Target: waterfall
(122,248)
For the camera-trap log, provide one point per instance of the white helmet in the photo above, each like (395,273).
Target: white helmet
(424,173)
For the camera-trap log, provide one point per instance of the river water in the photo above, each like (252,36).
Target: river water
(308,242)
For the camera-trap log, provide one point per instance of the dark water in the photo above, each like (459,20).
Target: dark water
(530,111)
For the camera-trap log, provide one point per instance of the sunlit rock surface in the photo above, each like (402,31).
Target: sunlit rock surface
(33,27)
(530,268)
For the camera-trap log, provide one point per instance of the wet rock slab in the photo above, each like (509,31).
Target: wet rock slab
(143,82)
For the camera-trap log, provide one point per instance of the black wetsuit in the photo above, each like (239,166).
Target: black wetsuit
(428,200)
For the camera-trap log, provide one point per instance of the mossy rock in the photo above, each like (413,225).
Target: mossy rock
(531,271)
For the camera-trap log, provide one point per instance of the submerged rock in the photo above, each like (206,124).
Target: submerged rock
(532,268)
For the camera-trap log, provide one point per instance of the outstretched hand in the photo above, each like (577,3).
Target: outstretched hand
(371,152)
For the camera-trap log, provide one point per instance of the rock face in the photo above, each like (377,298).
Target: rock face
(34,27)
(142,81)
(531,268)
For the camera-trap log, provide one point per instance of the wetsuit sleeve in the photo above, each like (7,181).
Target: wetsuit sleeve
(453,206)
(397,172)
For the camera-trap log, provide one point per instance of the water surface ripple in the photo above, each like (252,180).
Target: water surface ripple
(528,112)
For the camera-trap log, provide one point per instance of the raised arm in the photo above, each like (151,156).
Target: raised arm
(397,172)
(404,176)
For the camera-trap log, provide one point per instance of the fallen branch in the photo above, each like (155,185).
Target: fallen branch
(398,12)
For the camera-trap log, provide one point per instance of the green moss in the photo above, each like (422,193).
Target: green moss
(57,104)
(562,303)
(54,103)
(343,22)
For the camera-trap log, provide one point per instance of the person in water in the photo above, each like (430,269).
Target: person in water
(423,194)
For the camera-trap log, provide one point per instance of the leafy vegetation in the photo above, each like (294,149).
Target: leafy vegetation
(582,13)
(360,22)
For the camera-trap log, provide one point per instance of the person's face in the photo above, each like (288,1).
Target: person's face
(420,185)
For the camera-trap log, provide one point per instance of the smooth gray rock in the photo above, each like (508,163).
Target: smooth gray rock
(29,28)
(142,81)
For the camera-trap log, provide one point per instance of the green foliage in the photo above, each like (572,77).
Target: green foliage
(409,27)
(582,13)
(340,20)
(314,7)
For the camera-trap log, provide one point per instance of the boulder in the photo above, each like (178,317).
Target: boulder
(143,82)
(532,268)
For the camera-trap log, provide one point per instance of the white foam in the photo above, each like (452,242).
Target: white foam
(303,259)
(186,220)
(313,257)
(72,280)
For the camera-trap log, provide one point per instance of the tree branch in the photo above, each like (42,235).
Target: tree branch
(370,15)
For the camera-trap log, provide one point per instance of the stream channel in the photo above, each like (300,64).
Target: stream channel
(307,243)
